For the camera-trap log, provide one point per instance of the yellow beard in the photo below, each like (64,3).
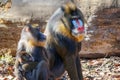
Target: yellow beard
(66,32)
(36,43)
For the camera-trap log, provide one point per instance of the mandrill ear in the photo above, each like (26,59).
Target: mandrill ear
(27,29)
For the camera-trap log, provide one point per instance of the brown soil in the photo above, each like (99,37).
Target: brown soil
(9,38)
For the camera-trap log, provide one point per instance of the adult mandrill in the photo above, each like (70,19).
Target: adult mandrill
(65,31)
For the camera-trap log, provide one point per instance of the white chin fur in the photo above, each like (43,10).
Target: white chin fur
(75,32)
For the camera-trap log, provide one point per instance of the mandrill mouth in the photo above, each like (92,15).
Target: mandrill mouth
(76,32)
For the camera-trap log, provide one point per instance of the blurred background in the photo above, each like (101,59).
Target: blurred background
(102,38)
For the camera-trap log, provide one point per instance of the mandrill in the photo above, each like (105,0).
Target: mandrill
(65,31)
(31,57)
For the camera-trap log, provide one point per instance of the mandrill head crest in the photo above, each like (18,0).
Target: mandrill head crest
(68,7)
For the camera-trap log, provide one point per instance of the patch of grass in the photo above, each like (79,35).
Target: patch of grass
(7,58)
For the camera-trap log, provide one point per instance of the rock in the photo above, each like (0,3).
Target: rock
(104,40)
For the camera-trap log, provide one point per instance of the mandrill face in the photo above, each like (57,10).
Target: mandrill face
(77,26)
(75,19)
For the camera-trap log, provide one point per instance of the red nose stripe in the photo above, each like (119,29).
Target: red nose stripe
(80,28)
(78,22)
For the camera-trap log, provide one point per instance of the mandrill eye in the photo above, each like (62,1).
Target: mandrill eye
(77,23)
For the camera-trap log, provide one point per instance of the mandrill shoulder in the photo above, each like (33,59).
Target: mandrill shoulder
(36,43)
(61,29)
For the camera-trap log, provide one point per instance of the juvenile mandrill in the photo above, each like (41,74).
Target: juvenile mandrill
(31,57)
(65,31)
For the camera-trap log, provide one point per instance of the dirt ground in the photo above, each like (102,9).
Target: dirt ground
(94,69)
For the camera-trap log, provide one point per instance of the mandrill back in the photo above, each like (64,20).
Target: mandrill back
(65,31)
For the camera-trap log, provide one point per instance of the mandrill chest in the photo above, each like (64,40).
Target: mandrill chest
(64,44)
(63,40)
